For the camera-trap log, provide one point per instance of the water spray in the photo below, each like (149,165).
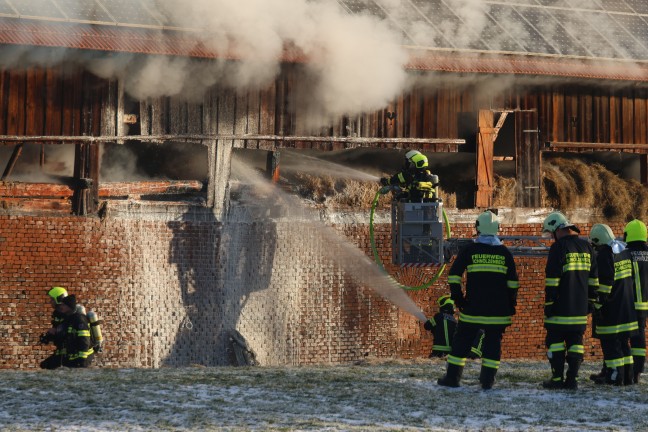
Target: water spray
(338,249)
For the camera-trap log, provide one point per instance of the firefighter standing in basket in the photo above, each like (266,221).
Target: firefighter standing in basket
(488,304)
(70,333)
(614,312)
(635,236)
(416,182)
(571,284)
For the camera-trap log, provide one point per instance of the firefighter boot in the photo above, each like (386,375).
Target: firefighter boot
(613,376)
(599,375)
(487,377)
(571,377)
(639,362)
(452,377)
(628,374)
(557,362)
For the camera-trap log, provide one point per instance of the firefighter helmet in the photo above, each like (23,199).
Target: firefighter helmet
(635,230)
(601,234)
(487,223)
(555,221)
(445,300)
(416,159)
(57,294)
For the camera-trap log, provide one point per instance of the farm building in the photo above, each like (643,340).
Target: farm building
(119,121)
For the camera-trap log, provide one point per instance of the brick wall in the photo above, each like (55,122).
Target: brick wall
(173,283)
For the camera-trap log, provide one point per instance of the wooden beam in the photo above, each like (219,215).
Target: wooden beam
(12,161)
(581,146)
(484,160)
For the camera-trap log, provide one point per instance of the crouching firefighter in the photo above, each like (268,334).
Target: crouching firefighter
(614,312)
(488,304)
(571,284)
(71,335)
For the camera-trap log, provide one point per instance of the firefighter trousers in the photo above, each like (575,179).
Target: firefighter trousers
(491,347)
(638,344)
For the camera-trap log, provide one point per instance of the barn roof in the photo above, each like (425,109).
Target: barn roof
(582,38)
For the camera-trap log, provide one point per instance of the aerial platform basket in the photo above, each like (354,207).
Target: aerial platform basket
(417,233)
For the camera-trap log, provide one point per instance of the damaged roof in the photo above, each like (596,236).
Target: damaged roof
(483,36)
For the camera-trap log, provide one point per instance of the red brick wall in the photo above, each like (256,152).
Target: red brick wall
(169,292)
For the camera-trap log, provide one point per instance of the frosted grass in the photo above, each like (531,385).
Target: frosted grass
(397,395)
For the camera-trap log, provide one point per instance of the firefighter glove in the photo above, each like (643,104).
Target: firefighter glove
(384,181)
(429,325)
(44,338)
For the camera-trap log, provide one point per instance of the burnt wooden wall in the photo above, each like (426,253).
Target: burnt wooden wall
(67,101)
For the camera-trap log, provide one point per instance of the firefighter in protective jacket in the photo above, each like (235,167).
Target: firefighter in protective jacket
(614,311)
(571,284)
(635,236)
(71,336)
(415,181)
(488,303)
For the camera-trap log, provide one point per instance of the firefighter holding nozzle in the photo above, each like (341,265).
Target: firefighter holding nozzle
(415,182)
(488,303)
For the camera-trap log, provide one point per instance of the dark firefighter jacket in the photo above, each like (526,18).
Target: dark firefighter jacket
(571,282)
(639,251)
(73,335)
(491,284)
(57,320)
(444,327)
(616,315)
(417,184)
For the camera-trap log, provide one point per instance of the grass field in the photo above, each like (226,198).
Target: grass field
(385,395)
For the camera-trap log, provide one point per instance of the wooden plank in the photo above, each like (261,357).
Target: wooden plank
(177,116)
(627,117)
(35,111)
(641,116)
(587,116)
(109,109)
(53,103)
(241,118)
(267,107)
(484,160)
(17,103)
(4,100)
(615,109)
(415,120)
(12,161)
(145,117)
(558,116)
(159,115)
(527,159)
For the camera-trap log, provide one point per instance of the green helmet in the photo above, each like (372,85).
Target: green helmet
(416,158)
(57,293)
(555,221)
(635,230)
(445,300)
(487,223)
(601,234)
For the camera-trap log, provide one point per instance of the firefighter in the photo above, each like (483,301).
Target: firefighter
(443,326)
(416,182)
(571,282)
(488,303)
(614,312)
(56,295)
(635,236)
(70,335)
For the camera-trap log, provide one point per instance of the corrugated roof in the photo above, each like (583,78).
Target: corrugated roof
(593,38)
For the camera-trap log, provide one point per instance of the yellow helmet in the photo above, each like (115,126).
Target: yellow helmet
(487,223)
(416,158)
(601,234)
(635,230)
(445,300)
(57,293)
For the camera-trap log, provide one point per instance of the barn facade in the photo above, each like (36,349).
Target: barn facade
(179,271)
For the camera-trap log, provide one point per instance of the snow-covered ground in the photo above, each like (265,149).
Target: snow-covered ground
(386,395)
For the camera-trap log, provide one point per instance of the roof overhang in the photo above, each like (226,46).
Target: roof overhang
(186,43)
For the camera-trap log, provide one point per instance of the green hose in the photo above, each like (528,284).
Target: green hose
(379,261)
